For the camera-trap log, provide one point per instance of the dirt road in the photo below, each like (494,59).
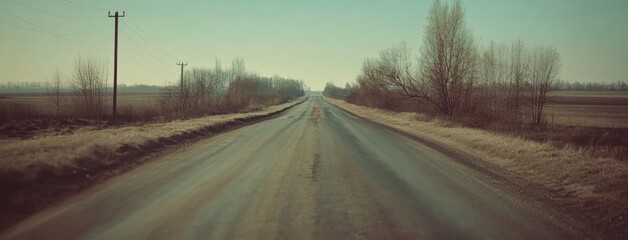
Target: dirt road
(315,172)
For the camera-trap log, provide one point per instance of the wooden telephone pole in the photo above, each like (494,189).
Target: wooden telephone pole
(115,64)
(182,65)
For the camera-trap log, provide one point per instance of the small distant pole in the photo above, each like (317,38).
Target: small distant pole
(115,64)
(182,64)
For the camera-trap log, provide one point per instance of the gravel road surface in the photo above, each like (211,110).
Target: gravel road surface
(315,172)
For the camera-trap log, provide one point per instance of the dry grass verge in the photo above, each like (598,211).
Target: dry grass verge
(38,171)
(592,190)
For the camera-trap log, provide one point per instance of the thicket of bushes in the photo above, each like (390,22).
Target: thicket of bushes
(217,90)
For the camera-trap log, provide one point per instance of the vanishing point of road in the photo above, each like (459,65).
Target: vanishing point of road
(314,172)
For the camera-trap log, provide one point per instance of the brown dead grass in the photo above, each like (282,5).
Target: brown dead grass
(594,188)
(62,150)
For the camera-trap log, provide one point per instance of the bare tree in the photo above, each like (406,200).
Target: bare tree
(220,77)
(205,85)
(395,70)
(369,89)
(448,58)
(89,84)
(170,100)
(544,68)
(54,89)
(236,95)
(519,73)
(392,75)
(238,67)
(372,89)
(199,78)
(491,89)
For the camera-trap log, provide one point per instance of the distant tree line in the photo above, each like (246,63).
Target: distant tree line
(341,93)
(591,86)
(498,84)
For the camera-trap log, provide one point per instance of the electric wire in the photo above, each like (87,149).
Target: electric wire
(134,27)
(154,43)
(40,31)
(141,47)
(146,50)
(139,63)
(21,27)
(133,42)
(54,15)
(53,33)
(78,5)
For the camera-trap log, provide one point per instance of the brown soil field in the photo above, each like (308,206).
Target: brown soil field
(588,109)
(42,105)
(33,114)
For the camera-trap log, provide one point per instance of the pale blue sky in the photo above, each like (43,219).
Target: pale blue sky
(316,41)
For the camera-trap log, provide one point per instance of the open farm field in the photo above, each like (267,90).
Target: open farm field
(32,114)
(588,109)
(40,104)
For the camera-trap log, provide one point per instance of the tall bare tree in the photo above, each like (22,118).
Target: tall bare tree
(89,84)
(370,89)
(544,68)
(491,89)
(448,58)
(519,73)
(238,68)
(54,89)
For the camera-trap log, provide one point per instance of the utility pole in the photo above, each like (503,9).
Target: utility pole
(115,64)
(182,65)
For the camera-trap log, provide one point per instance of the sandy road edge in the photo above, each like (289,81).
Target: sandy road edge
(22,196)
(532,196)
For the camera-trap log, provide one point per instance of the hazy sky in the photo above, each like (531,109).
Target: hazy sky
(316,41)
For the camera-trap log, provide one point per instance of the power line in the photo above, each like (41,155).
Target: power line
(84,5)
(51,32)
(129,56)
(144,49)
(40,31)
(21,27)
(139,46)
(157,68)
(154,43)
(78,5)
(54,15)
(149,43)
